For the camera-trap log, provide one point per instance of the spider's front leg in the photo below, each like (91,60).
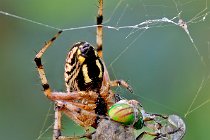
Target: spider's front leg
(40,68)
(45,85)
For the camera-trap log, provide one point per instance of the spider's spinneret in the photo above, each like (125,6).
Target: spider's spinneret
(83,69)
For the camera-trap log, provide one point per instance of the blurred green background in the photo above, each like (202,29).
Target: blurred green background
(160,63)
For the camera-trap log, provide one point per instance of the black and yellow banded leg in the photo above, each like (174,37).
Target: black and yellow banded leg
(99,29)
(40,68)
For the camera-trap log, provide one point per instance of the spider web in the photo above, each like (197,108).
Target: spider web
(133,22)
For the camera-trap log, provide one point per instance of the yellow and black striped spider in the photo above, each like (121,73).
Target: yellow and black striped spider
(88,94)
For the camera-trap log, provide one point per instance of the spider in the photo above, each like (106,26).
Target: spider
(88,95)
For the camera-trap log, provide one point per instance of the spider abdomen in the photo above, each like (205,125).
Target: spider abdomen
(84,69)
(90,76)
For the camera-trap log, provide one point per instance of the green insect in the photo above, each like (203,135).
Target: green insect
(131,113)
(127,113)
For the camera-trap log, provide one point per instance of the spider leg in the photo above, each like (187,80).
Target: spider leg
(99,30)
(121,83)
(73,109)
(80,116)
(88,107)
(40,68)
(99,39)
(115,82)
(57,123)
(75,95)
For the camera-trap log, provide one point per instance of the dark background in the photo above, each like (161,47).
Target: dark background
(160,63)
